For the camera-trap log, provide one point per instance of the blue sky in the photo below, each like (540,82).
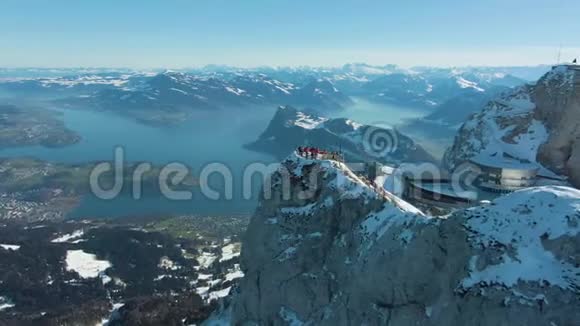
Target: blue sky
(188,33)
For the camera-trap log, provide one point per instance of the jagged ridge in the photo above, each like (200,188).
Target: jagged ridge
(353,255)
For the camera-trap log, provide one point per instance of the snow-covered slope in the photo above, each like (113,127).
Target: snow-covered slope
(494,129)
(537,122)
(522,232)
(291,128)
(349,254)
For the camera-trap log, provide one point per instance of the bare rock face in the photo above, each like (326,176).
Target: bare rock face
(337,251)
(539,123)
(557,97)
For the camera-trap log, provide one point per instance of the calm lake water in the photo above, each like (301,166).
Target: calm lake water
(209,137)
(434,138)
(371,113)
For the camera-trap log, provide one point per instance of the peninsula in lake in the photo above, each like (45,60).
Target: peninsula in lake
(30,126)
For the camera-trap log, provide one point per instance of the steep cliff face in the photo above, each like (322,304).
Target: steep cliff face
(538,123)
(557,97)
(338,251)
(506,124)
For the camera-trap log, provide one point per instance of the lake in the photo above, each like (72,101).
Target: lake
(209,137)
(367,112)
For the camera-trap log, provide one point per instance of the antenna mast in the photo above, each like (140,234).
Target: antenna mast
(559,53)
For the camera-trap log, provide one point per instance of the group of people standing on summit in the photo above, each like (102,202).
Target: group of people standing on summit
(316,153)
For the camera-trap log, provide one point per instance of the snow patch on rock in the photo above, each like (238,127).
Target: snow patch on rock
(10,247)
(522,222)
(68,237)
(85,264)
(230,252)
(5,303)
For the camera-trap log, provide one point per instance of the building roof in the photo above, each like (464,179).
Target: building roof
(503,161)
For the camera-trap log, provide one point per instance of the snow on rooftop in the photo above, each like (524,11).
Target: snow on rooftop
(499,160)
(85,264)
(520,221)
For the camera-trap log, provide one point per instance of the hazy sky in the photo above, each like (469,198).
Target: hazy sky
(188,33)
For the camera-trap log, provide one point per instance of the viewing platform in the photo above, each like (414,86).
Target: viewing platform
(319,154)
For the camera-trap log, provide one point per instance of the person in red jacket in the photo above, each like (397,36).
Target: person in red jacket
(307,152)
(315,153)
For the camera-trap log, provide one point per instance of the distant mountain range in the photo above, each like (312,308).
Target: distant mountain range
(175,90)
(172,94)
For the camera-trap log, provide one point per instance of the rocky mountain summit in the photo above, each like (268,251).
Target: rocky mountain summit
(537,122)
(315,87)
(337,250)
(290,128)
